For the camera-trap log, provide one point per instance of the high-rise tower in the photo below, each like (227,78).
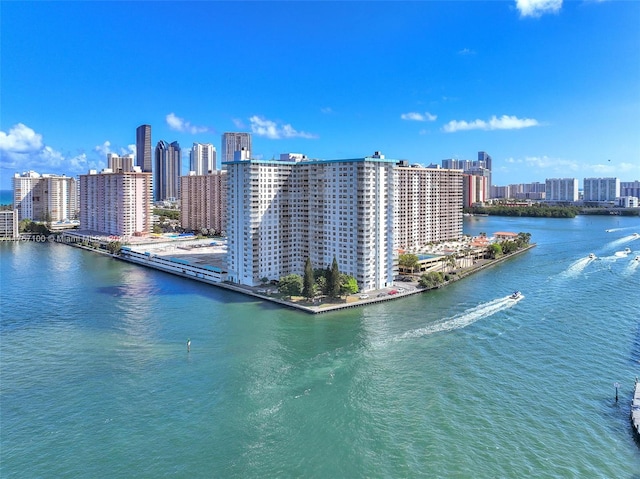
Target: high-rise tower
(232,142)
(202,158)
(143,148)
(166,171)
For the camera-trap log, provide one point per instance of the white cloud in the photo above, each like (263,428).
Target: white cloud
(466,51)
(239,123)
(180,124)
(22,149)
(537,8)
(414,116)
(271,129)
(326,110)
(20,139)
(505,122)
(103,149)
(129,150)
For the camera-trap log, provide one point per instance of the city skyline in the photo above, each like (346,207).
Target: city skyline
(547,88)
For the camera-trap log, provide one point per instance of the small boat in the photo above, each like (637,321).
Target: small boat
(516,295)
(637,258)
(636,235)
(592,256)
(627,250)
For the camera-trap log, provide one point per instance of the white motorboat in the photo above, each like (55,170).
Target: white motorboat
(516,295)
(592,256)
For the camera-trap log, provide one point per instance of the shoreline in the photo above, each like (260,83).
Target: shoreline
(376,296)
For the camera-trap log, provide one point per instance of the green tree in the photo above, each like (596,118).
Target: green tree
(290,285)
(431,280)
(114,247)
(348,285)
(408,261)
(321,285)
(308,288)
(333,281)
(495,250)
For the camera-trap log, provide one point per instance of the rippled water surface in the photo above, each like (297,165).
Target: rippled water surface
(96,380)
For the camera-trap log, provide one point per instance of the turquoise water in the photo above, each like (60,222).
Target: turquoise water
(6,197)
(96,380)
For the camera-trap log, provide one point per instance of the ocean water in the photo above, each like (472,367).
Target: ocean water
(96,380)
(6,197)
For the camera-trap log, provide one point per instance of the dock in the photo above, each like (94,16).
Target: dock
(635,407)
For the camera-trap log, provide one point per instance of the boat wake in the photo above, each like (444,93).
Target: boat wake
(621,241)
(576,267)
(464,319)
(631,268)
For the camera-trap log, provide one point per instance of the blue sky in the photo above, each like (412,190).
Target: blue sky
(549,88)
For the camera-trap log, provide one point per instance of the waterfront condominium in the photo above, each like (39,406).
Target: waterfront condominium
(428,206)
(601,189)
(203,202)
(45,197)
(280,212)
(202,158)
(561,189)
(232,142)
(144,157)
(166,171)
(116,203)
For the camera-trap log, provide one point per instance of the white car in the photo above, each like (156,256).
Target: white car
(363,296)
(401,290)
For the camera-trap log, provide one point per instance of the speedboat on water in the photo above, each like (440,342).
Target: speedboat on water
(637,258)
(516,295)
(636,235)
(627,250)
(592,256)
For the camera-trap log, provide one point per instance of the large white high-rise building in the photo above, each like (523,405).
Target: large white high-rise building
(202,158)
(203,201)
(116,203)
(232,142)
(561,189)
(601,189)
(45,197)
(428,206)
(281,212)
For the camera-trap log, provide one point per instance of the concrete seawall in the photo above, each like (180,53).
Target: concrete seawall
(327,307)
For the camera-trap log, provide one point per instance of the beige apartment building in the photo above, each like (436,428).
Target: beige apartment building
(47,197)
(116,204)
(428,206)
(203,201)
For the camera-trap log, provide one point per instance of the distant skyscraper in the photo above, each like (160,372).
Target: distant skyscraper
(601,189)
(202,159)
(166,171)
(119,164)
(143,148)
(561,189)
(483,156)
(232,142)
